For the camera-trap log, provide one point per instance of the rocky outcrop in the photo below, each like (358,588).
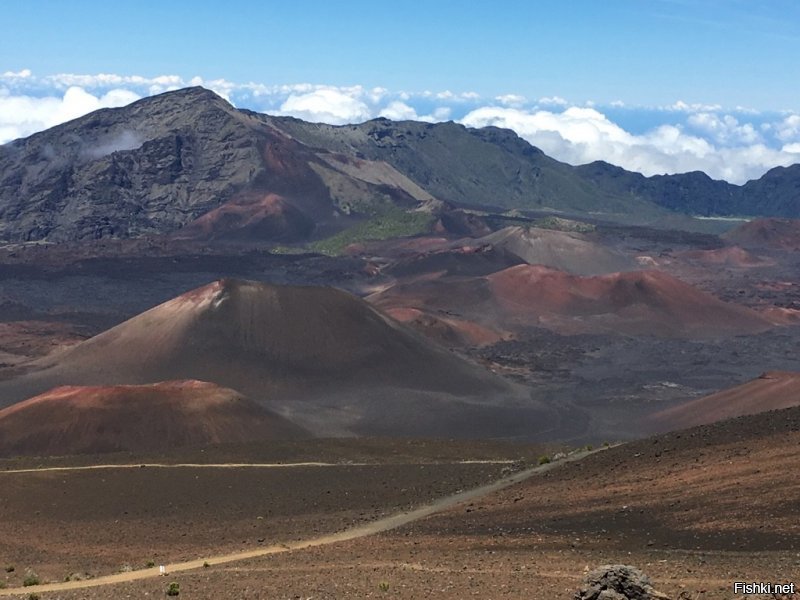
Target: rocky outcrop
(162,163)
(150,167)
(617,582)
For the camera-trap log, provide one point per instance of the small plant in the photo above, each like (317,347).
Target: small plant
(383,586)
(206,565)
(173,589)
(589,448)
(606,444)
(10,569)
(33,596)
(544,459)
(30,579)
(151,564)
(2,584)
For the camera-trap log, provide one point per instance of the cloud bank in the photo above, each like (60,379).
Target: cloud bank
(732,144)
(717,144)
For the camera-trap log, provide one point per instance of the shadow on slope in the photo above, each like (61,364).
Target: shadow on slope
(136,418)
(321,357)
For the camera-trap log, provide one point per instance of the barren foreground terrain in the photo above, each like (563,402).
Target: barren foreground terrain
(94,516)
(696,510)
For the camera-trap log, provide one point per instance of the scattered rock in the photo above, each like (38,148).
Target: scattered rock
(617,582)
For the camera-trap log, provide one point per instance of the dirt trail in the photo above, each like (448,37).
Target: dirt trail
(238,465)
(187,466)
(378,526)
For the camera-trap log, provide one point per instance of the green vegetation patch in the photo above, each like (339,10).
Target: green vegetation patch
(392,223)
(559,224)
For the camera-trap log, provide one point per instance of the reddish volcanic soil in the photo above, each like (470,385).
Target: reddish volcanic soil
(781,234)
(695,510)
(563,250)
(75,420)
(23,340)
(253,216)
(773,390)
(637,303)
(320,356)
(730,256)
(447,330)
(97,520)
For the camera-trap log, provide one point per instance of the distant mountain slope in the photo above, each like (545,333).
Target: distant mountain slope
(631,303)
(495,167)
(479,167)
(319,356)
(164,162)
(148,167)
(775,234)
(776,193)
(75,419)
(773,390)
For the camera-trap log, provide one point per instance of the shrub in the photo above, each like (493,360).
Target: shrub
(31,579)
(33,596)
(206,565)
(385,223)
(2,584)
(173,589)
(10,569)
(589,447)
(151,564)
(544,459)
(383,586)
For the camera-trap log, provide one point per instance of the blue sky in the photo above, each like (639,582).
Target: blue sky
(722,71)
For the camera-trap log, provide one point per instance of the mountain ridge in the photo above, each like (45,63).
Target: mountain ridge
(159,164)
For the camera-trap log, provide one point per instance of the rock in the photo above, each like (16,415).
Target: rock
(158,165)
(617,582)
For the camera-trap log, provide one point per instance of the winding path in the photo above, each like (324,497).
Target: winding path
(237,465)
(371,528)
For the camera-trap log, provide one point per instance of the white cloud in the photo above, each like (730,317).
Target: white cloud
(514,100)
(23,74)
(326,105)
(377,94)
(792,148)
(788,129)
(439,114)
(399,111)
(553,101)
(681,106)
(126,140)
(725,129)
(737,144)
(582,135)
(23,115)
